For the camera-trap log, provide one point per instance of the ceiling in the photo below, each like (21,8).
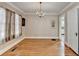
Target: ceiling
(47,7)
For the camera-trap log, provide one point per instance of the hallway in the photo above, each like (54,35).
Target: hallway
(39,47)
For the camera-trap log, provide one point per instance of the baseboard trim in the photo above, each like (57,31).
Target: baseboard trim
(41,37)
(71,49)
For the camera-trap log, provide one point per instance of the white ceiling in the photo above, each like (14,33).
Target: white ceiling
(47,7)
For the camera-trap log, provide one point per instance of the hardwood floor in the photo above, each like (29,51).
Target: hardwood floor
(38,47)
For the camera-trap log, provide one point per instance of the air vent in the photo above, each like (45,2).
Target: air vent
(13,49)
(53,39)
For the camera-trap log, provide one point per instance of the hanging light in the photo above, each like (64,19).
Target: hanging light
(40,13)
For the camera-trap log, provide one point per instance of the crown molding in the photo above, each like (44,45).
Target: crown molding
(46,14)
(69,6)
(12,7)
(28,13)
(72,4)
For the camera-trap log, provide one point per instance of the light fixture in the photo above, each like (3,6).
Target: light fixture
(40,13)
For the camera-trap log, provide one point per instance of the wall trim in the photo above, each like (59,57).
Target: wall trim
(14,7)
(46,14)
(63,10)
(42,37)
(71,48)
(69,6)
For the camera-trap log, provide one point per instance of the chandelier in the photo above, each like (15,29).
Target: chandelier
(40,13)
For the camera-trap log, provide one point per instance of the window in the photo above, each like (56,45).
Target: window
(2,24)
(10,25)
(20,25)
(17,25)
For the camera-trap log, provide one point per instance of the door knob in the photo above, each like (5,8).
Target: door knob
(76,34)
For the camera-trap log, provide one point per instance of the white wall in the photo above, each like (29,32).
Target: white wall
(41,27)
(72,28)
(71,23)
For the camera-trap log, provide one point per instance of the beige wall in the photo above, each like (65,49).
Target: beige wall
(41,27)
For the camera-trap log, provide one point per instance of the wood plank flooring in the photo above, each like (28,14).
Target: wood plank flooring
(38,47)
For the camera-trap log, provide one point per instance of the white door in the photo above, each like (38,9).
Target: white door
(72,29)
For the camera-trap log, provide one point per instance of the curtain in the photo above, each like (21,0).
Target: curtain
(13,25)
(8,25)
(12,36)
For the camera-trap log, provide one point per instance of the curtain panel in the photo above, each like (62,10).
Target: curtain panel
(8,25)
(12,36)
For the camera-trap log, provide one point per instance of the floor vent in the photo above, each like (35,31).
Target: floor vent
(53,39)
(13,49)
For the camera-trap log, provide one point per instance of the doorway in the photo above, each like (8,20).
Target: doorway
(62,27)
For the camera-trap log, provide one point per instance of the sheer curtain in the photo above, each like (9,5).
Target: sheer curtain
(8,25)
